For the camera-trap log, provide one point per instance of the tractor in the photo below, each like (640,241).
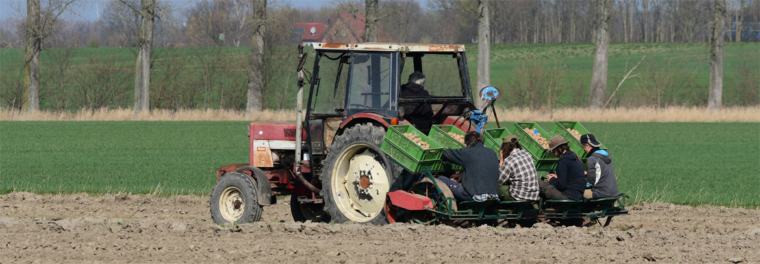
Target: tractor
(330,160)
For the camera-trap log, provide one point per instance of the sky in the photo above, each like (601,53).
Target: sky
(89,9)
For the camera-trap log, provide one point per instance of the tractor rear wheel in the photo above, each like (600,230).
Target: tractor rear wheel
(357,175)
(234,200)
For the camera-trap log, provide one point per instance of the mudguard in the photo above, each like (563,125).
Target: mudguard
(264,190)
(409,201)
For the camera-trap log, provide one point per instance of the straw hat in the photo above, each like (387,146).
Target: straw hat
(555,142)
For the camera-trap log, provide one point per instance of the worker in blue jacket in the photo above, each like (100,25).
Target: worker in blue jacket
(569,182)
(600,176)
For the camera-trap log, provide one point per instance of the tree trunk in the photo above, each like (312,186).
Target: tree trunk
(672,18)
(739,21)
(630,20)
(572,21)
(645,22)
(370,25)
(256,74)
(145,46)
(33,48)
(484,50)
(714,101)
(538,13)
(625,23)
(599,74)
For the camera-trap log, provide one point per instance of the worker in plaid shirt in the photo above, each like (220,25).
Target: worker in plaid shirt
(517,174)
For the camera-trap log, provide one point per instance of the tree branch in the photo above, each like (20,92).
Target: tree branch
(627,76)
(132,7)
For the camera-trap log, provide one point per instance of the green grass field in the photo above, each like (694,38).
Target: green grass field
(688,63)
(685,163)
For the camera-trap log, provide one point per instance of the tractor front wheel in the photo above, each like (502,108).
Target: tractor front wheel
(357,175)
(234,200)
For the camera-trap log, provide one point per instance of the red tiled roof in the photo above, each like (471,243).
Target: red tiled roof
(307,36)
(356,23)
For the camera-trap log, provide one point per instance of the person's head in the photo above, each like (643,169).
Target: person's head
(508,144)
(472,138)
(589,143)
(417,77)
(558,146)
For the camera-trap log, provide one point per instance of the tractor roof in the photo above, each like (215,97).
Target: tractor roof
(377,46)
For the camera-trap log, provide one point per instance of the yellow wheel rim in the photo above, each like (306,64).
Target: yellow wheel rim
(360,183)
(231,204)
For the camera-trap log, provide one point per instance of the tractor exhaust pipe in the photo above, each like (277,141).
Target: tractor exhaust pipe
(299,109)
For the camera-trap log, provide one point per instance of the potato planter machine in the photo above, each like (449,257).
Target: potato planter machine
(340,163)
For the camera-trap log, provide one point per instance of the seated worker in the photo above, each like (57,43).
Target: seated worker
(415,87)
(481,170)
(600,174)
(570,181)
(518,179)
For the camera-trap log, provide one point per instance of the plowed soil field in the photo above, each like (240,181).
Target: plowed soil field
(142,228)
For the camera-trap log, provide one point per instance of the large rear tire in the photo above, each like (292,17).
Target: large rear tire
(357,175)
(234,199)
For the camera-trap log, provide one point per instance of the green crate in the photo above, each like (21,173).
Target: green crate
(400,156)
(545,164)
(561,128)
(439,133)
(572,142)
(578,127)
(493,138)
(396,136)
(530,144)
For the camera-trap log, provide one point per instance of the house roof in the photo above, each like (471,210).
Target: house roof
(356,23)
(307,36)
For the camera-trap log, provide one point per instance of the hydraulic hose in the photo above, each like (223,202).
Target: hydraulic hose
(303,181)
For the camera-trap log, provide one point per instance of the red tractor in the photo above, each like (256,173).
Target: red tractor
(329,161)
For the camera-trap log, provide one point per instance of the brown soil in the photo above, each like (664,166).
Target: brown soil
(142,228)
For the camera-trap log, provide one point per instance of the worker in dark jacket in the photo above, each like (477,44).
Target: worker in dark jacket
(480,180)
(569,182)
(600,174)
(415,87)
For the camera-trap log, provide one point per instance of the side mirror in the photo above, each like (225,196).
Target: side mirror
(301,62)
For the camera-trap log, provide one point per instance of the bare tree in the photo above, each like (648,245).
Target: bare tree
(599,74)
(32,57)
(739,20)
(39,24)
(714,100)
(256,73)
(101,82)
(484,49)
(147,13)
(630,20)
(408,23)
(119,25)
(370,25)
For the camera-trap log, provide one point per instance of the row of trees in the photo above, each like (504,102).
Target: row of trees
(217,23)
(200,23)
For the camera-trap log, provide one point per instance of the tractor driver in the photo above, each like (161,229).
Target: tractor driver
(479,182)
(415,87)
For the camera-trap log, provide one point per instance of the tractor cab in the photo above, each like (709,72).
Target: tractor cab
(358,90)
(369,82)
